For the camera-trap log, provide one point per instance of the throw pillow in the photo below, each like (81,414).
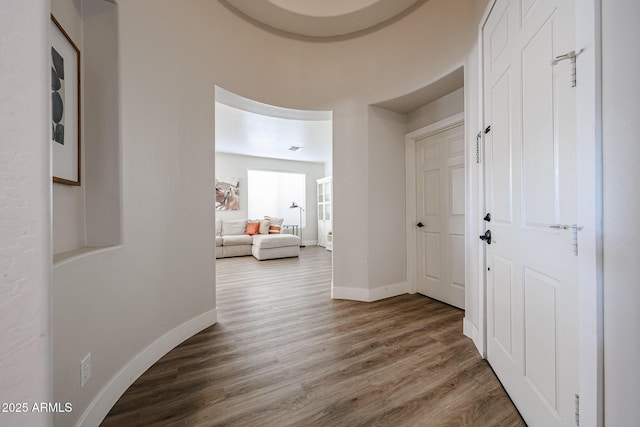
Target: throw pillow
(264,226)
(252,228)
(275,224)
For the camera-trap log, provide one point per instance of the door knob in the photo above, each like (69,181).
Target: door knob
(420,224)
(486,237)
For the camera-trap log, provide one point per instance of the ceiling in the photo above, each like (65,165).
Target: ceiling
(322,18)
(410,102)
(251,128)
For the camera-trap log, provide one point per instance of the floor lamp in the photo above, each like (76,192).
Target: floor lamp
(294,205)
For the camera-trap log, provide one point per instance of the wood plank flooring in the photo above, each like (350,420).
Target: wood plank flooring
(285,354)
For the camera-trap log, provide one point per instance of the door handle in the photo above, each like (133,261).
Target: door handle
(420,224)
(486,237)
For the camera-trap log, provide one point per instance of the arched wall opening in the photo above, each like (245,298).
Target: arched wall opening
(253,137)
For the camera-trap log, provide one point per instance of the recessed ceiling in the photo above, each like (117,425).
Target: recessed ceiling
(322,18)
(251,128)
(407,103)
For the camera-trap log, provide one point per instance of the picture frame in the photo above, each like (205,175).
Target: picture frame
(227,194)
(65,138)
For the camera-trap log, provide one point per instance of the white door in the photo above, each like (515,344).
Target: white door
(440,215)
(532,298)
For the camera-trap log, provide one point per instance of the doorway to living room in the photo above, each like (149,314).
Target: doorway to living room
(273,168)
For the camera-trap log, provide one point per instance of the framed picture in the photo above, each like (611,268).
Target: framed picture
(65,106)
(227,194)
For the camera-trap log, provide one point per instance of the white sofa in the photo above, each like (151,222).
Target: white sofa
(231,241)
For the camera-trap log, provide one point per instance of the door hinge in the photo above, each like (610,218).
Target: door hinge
(574,228)
(577,409)
(572,57)
(478,139)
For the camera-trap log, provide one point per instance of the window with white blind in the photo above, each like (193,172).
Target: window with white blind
(272,193)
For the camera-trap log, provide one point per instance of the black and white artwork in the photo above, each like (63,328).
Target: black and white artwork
(57,96)
(65,107)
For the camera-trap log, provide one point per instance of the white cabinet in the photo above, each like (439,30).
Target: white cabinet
(325,229)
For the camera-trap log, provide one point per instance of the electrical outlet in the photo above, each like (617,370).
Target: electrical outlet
(85,370)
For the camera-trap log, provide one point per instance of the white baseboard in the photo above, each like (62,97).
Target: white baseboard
(471,331)
(115,388)
(355,294)
(310,242)
(369,295)
(388,291)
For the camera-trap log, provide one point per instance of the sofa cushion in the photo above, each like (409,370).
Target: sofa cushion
(218,227)
(273,253)
(218,241)
(233,227)
(268,241)
(240,250)
(242,239)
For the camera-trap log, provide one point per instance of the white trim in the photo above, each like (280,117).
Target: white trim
(474,204)
(388,291)
(485,16)
(437,127)
(111,392)
(410,212)
(589,165)
(481,342)
(410,189)
(470,330)
(369,295)
(354,294)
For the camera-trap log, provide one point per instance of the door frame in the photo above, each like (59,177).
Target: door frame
(410,186)
(589,168)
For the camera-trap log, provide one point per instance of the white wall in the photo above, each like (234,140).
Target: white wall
(474,205)
(102,174)
(124,304)
(232,165)
(25,191)
(621,127)
(130,304)
(440,109)
(386,204)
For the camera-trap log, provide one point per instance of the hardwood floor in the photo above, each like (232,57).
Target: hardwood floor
(283,353)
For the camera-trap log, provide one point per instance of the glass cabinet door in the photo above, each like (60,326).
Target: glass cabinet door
(324,210)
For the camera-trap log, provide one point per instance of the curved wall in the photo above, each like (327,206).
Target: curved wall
(128,305)
(25,209)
